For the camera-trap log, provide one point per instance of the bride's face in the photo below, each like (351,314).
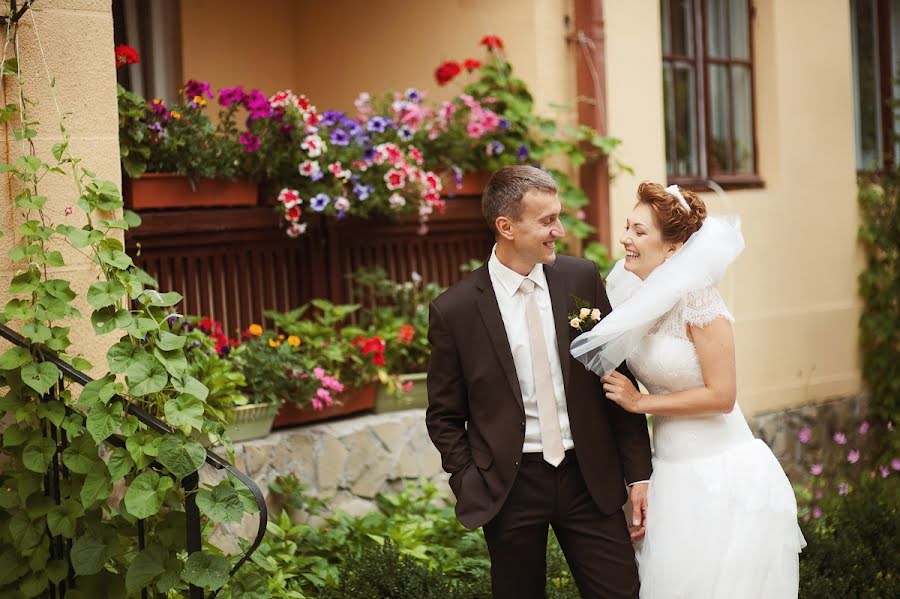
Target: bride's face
(643,242)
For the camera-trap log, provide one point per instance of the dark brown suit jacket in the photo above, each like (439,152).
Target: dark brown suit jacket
(475,415)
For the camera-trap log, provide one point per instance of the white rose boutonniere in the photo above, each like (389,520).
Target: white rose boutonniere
(584,317)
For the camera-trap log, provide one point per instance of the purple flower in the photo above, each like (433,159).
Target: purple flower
(819,494)
(319,202)
(843,488)
(804,435)
(362,191)
(339,137)
(155,127)
(504,124)
(231,95)
(330,118)
(864,427)
(895,464)
(377,124)
(158,107)
(316,176)
(197,88)
(369,154)
(457,175)
(840,438)
(257,105)
(853,456)
(413,95)
(884,471)
(890,425)
(494,148)
(249,141)
(817,512)
(405,133)
(816,469)
(522,152)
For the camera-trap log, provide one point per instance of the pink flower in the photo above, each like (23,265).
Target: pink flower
(407,386)
(296,230)
(475,129)
(342,204)
(289,197)
(804,435)
(319,373)
(840,438)
(313,145)
(308,168)
(843,488)
(68,210)
(490,120)
(316,404)
(581,214)
(332,383)
(324,395)
(395,179)
(853,456)
(817,512)
(884,471)
(890,425)
(895,464)
(363,103)
(816,469)
(819,494)
(422,230)
(864,427)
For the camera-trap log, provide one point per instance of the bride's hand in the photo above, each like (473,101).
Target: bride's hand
(620,389)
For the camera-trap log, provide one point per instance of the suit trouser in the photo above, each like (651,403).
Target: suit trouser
(597,546)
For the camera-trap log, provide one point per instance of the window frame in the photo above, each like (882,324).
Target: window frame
(702,112)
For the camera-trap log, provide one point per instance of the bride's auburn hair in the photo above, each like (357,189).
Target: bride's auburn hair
(675,223)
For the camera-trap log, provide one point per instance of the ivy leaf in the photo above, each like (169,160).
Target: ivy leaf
(184,412)
(98,390)
(191,386)
(37,505)
(140,326)
(151,297)
(97,487)
(25,282)
(73,425)
(38,454)
(173,361)
(40,376)
(26,535)
(105,293)
(115,258)
(37,332)
(146,493)
(147,565)
(18,310)
(109,319)
(120,464)
(108,196)
(51,258)
(221,503)
(92,550)
(62,519)
(205,569)
(81,456)
(145,375)
(181,458)
(79,363)
(132,218)
(170,341)
(122,354)
(142,447)
(103,420)
(54,411)
(14,358)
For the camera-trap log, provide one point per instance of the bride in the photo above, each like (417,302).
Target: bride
(722,518)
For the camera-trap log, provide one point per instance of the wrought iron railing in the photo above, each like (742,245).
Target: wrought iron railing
(59,547)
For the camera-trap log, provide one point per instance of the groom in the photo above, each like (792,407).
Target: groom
(524,429)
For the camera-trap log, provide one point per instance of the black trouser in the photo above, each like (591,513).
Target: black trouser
(597,546)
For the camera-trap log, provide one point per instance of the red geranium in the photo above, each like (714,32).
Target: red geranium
(373,345)
(126,55)
(446,72)
(492,42)
(471,64)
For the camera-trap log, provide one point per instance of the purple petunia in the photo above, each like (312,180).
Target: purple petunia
(405,133)
(840,438)
(362,191)
(316,176)
(504,124)
(494,148)
(249,141)
(817,512)
(319,202)
(816,469)
(413,95)
(378,124)
(229,96)
(197,88)
(155,127)
(522,152)
(804,435)
(369,154)
(339,137)
(895,464)
(853,456)
(330,118)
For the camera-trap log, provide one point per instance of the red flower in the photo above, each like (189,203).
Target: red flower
(405,336)
(446,72)
(292,213)
(471,64)
(373,345)
(126,55)
(492,42)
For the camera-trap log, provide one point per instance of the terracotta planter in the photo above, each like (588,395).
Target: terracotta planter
(472,184)
(355,400)
(252,421)
(417,397)
(162,190)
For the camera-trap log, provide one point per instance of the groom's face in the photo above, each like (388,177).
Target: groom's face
(535,234)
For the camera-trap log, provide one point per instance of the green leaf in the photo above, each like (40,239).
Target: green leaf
(37,332)
(51,258)
(63,518)
(184,412)
(14,436)
(115,258)
(205,569)
(52,410)
(191,386)
(18,310)
(145,375)
(98,390)
(97,487)
(26,535)
(57,570)
(151,297)
(38,454)
(103,420)
(142,447)
(181,458)
(81,456)
(14,358)
(140,326)
(27,201)
(147,565)
(132,218)
(173,361)
(73,425)
(221,503)
(40,376)
(169,341)
(59,149)
(26,281)
(123,354)
(79,363)
(108,196)
(92,550)
(37,505)
(120,464)
(105,293)
(146,493)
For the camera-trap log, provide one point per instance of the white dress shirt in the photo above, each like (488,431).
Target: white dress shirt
(506,284)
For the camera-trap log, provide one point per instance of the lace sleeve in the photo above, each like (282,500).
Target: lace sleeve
(704,306)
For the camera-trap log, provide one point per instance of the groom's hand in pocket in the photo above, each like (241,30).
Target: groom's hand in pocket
(638,522)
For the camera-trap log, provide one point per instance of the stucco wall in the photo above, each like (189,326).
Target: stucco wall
(71,41)
(793,290)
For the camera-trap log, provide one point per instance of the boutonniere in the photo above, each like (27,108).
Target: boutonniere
(584,317)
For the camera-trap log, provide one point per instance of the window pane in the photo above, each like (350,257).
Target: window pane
(678,27)
(743,118)
(719,121)
(716,28)
(679,96)
(895,60)
(866,89)
(740,29)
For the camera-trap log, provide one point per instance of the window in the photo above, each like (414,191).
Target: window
(875,33)
(153,29)
(708,93)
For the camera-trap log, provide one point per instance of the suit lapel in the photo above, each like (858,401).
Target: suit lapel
(559,293)
(493,321)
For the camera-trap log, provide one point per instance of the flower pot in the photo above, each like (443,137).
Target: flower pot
(164,190)
(417,397)
(252,421)
(472,184)
(352,401)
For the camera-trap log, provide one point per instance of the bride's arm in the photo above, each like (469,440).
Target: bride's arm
(715,349)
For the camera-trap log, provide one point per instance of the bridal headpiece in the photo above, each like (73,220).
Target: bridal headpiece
(673,189)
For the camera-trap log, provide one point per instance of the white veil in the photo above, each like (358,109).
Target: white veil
(637,304)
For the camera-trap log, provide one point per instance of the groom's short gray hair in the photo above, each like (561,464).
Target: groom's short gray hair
(506,188)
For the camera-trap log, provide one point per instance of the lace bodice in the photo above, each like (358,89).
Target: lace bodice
(666,361)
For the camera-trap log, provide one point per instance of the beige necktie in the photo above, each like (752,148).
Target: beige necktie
(551,437)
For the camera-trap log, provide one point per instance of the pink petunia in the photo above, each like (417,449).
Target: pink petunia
(895,464)
(324,395)
(840,438)
(884,471)
(816,469)
(853,456)
(843,488)
(817,512)
(316,404)
(819,494)
(319,373)
(864,427)
(475,129)
(804,435)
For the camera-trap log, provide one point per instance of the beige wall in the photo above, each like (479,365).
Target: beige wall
(793,290)
(75,38)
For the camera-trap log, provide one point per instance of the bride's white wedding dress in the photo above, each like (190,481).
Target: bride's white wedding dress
(722,517)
